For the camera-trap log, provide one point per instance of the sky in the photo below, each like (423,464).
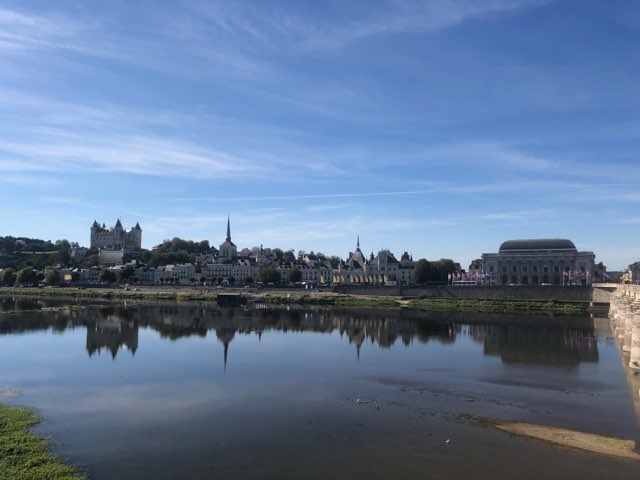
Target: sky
(441,128)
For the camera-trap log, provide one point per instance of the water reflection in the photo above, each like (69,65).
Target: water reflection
(111,328)
(111,335)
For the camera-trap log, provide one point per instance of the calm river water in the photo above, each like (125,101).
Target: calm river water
(167,391)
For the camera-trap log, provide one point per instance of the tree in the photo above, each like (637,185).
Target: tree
(64,251)
(335,261)
(107,275)
(53,277)
(289,256)
(294,275)
(126,273)
(441,268)
(422,271)
(8,277)
(269,274)
(27,276)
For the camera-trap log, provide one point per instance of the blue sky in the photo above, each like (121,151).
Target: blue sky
(441,128)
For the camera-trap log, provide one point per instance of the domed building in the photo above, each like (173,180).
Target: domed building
(554,261)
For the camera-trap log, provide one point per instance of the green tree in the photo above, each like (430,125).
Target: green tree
(107,275)
(422,271)
(289,256)
(126,273)
(269,274)
(53,277)
(294,275)
(64,251)
(8,277)
(27,276)
(335,261)
(441,268)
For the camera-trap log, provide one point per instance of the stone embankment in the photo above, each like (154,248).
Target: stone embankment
(624,311)
(499,292)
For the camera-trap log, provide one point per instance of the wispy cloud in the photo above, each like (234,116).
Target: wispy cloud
(403,17)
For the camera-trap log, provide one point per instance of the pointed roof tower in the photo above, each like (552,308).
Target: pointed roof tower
(228,228)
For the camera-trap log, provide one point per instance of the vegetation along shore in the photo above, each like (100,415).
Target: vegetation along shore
(312,298)
(25,455)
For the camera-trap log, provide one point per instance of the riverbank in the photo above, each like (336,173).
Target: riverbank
(23,454)
(311,298)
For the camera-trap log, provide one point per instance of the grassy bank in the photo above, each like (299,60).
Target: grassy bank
(332,300)
(24,455)
(328,299)
(500,306)
(111,293)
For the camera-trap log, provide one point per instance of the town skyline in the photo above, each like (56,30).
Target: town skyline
(438,128)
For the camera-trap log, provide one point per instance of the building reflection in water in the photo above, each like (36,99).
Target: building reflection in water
(112,331)
(540,345)
(514,338)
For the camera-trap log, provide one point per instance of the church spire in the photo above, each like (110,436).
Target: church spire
(358,244)
(228,228)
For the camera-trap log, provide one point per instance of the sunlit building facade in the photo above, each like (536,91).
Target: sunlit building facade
(539,261)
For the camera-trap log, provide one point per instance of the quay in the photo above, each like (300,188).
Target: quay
(624,313)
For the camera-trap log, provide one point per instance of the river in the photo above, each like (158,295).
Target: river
(165,391)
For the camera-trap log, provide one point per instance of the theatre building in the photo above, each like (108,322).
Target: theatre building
(539,261)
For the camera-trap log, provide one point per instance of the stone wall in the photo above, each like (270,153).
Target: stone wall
(531,292)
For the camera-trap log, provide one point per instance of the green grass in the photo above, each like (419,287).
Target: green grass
(24,455)
(110,294)
(554,307)
(497,306)
(331,301)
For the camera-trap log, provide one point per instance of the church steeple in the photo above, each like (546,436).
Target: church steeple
(228,229)
(358,244)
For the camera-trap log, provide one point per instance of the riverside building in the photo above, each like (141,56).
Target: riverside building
(539,262)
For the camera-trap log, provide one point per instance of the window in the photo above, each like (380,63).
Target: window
(524,268)
(545,269)
(535,269)
(514,269)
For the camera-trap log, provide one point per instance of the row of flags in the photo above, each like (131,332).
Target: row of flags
(481,277)
(472,277)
